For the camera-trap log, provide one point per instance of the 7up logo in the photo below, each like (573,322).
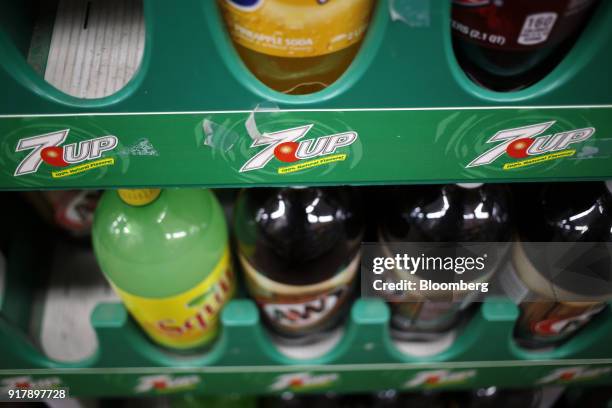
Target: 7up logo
(27,383)
(166,383)
(47,148)
(438,378)
(283,145)
(303,381)
(524,142)
(570,374)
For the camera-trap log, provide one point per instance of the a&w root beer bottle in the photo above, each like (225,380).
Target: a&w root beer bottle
(562,260)
(299,250)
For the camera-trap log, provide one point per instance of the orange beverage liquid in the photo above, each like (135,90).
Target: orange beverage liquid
(297,46)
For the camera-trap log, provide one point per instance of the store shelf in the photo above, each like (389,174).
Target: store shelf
(364,358)
(413,114)
(190,116)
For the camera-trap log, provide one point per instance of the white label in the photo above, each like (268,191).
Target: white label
(537,28)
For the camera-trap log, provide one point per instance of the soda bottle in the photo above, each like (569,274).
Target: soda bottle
(166,254)
(452,213)
(299,249)
(508,45)
(561,260)
(70,210)
(297,46)
(593,397)
(189,400)
(493,397)
(419,399)
(291,400)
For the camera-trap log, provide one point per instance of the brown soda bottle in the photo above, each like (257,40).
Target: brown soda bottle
(562,260)
(452,213)
(297,46)
(493,397)
(71,211)
(507,45)
(299,249)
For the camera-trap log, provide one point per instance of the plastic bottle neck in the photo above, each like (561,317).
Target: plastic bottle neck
(139,197)
(469,186)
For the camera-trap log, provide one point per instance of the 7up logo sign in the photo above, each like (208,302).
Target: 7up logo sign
(530,146)
(284,146)
(570,374)
(166,383)
(48,148)
(439,377)
(303,381)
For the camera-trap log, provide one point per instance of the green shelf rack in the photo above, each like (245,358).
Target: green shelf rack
(411,116)
(364,358)
(409,112)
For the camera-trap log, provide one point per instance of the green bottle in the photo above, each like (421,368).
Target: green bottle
(166,254)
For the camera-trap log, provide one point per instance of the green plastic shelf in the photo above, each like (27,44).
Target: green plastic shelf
(365,358)
(410,113)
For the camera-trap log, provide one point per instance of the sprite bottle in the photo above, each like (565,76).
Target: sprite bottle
(166,254)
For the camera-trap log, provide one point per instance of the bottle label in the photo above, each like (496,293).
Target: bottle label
(294,309)
(537,28)
(423,311)
(542,318)
(189,319)
(73,210)
(553,321)
(297,28)
(518,25)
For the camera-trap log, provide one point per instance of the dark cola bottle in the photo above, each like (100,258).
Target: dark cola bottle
(493,397)
(290,400)
(450,216)
(508,45)
(299,249)
(562,260)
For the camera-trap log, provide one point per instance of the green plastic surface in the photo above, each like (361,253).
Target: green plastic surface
(388,96)
(391,147)
(365,358)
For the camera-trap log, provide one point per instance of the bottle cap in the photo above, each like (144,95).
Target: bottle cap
(469,185)
(138,197)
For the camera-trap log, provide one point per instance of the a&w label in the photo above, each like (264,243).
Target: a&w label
(293,309)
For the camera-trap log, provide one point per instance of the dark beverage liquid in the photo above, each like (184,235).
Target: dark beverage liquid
(447,214)
(507,45)
(493,397)
(289,400)
(562,301)
(299,250)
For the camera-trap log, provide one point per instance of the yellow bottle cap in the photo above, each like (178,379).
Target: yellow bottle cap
(138,196)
